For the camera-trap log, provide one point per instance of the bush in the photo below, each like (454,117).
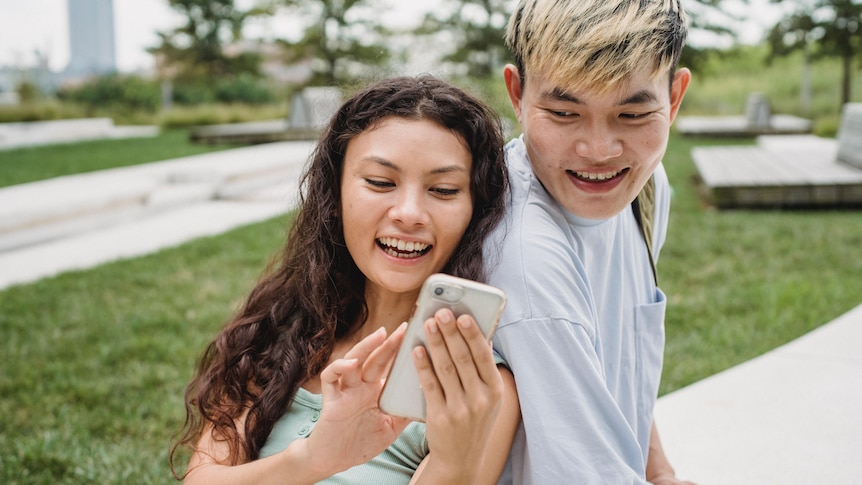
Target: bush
(192,94)
(123,92)
(242,89)
(28,92)
(40,110)
(211,114)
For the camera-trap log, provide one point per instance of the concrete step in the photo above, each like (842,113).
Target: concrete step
(35,133)
(134,237)
(43,211)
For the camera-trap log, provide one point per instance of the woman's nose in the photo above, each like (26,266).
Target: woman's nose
(410,208)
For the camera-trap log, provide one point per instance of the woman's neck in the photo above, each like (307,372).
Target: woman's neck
(386,309)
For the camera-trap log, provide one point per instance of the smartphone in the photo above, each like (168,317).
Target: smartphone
(402,394)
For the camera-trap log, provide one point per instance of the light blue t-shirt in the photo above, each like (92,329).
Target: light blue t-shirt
(583,333)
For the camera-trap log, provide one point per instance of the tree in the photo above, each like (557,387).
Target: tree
(822,28)
(711,17)
(478,28)
(343,37)
(195,50)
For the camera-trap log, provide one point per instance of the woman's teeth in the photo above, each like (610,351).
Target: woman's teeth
(402,249)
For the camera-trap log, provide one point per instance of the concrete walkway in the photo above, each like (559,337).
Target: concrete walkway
(791,416)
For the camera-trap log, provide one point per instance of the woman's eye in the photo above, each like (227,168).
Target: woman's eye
(447,192)
(381,184)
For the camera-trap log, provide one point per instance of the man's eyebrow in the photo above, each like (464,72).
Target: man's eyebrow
(557,94)
(641,97)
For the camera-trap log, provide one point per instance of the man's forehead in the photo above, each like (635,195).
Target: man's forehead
(641,86)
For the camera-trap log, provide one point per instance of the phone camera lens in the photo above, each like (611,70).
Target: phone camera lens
(438,291)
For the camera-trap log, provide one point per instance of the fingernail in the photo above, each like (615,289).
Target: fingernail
(419,352)
(432,326)
(443,316)
(463,323)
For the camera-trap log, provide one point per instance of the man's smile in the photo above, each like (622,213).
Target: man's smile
(596,176)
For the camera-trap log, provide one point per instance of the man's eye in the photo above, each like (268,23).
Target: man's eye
(562,114)
(634,116)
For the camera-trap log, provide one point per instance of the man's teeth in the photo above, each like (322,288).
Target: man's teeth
(400,248)
(599,177)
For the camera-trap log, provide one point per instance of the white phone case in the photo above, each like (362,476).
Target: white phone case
(402,395)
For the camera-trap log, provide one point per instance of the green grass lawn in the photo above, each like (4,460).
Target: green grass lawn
(740,283)
(37,163)
(95,362)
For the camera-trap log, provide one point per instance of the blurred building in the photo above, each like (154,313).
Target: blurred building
(91,39)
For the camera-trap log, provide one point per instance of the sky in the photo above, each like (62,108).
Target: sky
(27,26)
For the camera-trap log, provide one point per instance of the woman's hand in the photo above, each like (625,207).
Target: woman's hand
(352,429)
(463,390)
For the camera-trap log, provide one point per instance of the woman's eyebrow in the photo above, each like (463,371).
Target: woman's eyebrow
(386,163)
(381,161)
(449,169)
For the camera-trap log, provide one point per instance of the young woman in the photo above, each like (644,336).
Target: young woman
(406,181)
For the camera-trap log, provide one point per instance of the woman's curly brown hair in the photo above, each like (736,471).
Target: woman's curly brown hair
(313,295)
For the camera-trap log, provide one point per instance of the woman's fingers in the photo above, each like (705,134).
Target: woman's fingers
(480,349)
(468,350)
(461,367)
(339,372)
(377,364)
(348,371)
(434,398)
(364,347)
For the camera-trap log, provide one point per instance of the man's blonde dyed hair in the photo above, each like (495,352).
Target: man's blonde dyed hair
(596,44)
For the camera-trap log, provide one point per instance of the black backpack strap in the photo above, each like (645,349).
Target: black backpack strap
(643,208)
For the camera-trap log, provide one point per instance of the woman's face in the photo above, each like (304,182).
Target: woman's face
(405,201)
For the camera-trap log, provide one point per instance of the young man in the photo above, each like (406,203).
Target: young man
(595,89)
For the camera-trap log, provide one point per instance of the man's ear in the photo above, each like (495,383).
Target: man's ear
(513,87)
(681,80)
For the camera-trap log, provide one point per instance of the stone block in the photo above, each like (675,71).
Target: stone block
(758,113)
(850,135)
(311,108)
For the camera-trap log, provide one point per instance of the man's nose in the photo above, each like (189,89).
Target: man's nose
(598,142)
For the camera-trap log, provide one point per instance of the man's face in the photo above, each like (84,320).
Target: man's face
(595,151)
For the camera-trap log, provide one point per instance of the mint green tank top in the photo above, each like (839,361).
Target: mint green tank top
(394,466)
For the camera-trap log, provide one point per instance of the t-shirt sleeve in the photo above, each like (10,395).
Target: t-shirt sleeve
(570,420)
